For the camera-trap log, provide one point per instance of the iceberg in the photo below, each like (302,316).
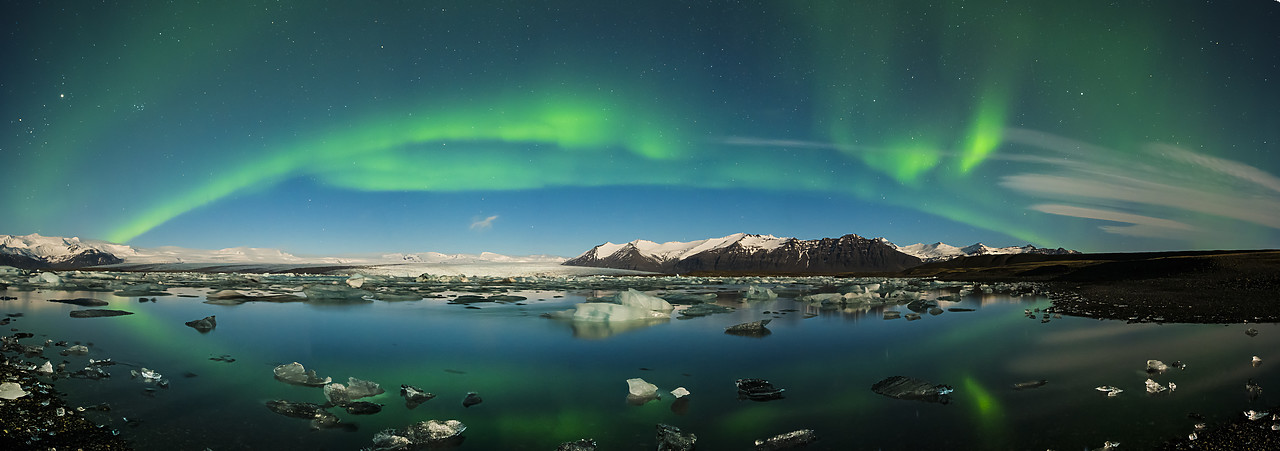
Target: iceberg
(637,387)
(295,373)
(627,305)
(339,394)
(335,294)
(680,392)
(755,293)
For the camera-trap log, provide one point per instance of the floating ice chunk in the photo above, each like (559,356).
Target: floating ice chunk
(45,278)
(11,390)
(335,294)
(339,394)
(633,298)
(1110,445)
(471,399)
(75,350)
(413,396)
(755,293)
(637,387)
(204,324)
(680,392)
(1154,387)
(356,281)
(47,368)
(751,329)
(1257,361)
(294,373)
(1156,366)
(1109,390)
(434,431)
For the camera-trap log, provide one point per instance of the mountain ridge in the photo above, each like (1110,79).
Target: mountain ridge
(768,253)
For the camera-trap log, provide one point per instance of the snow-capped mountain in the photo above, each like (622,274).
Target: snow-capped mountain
(36,251)
(751,253)
(942,251)
(39,252)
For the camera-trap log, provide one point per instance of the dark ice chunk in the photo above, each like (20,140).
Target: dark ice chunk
(901,387)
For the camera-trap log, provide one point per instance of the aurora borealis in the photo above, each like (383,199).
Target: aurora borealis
(329,127)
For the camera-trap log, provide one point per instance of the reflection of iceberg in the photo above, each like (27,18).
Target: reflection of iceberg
(598,329)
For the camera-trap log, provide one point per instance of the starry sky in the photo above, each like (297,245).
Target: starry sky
(547,127)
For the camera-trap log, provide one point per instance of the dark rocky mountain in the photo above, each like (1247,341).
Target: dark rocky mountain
(752,253)
(82,259)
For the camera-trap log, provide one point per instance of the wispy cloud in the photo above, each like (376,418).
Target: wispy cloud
(1161,181)
(1138,225)
(483,224)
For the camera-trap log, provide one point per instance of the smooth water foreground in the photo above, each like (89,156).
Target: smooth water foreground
(547,381)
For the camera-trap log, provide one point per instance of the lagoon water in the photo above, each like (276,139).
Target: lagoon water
(547,381)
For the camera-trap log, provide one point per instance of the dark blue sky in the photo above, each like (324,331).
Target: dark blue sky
(549,127)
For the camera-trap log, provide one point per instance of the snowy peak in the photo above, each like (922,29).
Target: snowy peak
(942,251)
(36,251)
(677,250)
(750,253)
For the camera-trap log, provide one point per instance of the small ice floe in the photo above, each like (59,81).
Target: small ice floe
(1192,436)
(1257,361)
(1251,332)
(1255,415)
(1109,390)
(1030,384)
(1154,387)
(680,392)
(1156,366)
(1172,387)
(47,368)
(1109,445)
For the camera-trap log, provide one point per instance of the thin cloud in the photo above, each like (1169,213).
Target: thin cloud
(483,224)
(1138,225)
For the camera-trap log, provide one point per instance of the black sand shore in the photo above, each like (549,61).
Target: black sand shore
(1215,287)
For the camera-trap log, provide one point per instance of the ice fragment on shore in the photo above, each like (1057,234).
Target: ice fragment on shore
(294,373)
(585,444)
(671,439)
(11,390)
(789,440)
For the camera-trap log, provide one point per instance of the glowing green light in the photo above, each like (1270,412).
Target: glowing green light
(984,133)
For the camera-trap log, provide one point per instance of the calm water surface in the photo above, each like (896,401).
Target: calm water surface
(547,381)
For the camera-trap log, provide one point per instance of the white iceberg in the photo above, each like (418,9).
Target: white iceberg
(45,278)
(680,392)
(755,293)
(627,305)
(641,389)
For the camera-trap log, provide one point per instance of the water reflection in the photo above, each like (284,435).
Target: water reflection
(543,386)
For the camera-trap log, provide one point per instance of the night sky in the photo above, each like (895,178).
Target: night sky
(525,127)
